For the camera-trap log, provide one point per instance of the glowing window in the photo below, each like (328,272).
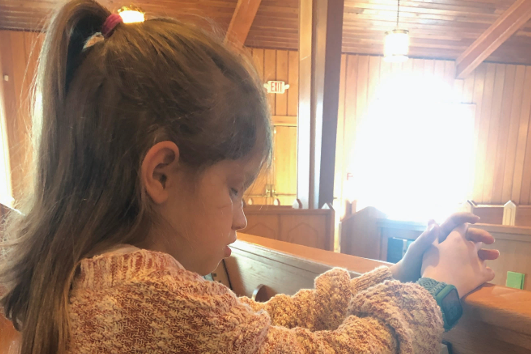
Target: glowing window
(413,154)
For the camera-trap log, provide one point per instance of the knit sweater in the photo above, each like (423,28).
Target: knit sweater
(146,302)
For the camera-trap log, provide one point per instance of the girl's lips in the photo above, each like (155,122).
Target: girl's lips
(228,251)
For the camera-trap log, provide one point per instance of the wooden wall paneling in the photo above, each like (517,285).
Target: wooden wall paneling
(459,87)
(407,68)
(500,155)
(449,73)
(492,139)
(7,104)
(396,69)
(385,72)
(525,197)
(525,111)
(258,58)
(468,89)
(439,69)
(351,93)
(340,152)
(479,86)
(374,79)
(429,68)
(500,125)
(418,67)
(257,191)
(512,139)
(362,84)
(285,164)
(270,62)
(281,100)
(16,105)
(293,81)
(481,152)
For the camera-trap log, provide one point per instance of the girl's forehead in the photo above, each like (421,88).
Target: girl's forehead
(246,168)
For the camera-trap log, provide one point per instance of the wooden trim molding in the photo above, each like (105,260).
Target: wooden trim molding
(290,121)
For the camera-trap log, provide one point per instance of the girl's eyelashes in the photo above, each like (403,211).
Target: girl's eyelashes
(234,192)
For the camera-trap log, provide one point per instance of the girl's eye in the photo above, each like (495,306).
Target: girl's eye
(234,192)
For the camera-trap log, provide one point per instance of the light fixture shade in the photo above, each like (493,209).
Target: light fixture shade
(396,45)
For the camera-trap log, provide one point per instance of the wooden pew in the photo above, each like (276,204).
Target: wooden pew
(523,216)
(496,319)
(506,214)
(366,234)
(309,227)
(489,213)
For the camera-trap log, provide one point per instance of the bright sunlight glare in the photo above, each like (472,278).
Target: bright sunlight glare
(414,150)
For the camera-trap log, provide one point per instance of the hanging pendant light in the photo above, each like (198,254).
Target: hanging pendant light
(396,46)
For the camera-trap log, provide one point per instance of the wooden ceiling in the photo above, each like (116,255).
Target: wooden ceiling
(438,28)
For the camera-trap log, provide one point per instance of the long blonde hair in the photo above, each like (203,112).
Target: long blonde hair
(103,107)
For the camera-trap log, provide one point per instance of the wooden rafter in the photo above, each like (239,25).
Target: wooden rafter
(241,21)
(504,27)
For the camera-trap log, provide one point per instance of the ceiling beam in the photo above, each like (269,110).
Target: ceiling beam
(241,22)
(504,27)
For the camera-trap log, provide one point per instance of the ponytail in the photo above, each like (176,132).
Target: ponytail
(38,285)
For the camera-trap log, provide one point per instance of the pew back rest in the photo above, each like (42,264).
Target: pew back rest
(308,227)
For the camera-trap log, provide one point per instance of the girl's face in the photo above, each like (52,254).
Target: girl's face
(201,214)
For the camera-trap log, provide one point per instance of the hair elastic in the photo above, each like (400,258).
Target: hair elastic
(110,24)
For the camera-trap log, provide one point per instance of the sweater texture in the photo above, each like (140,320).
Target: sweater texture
(146,302)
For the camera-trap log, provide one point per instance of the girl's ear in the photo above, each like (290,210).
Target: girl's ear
(159,170)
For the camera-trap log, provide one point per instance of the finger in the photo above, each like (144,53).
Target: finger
(425,240)
(455,220)
(478,235)
(488,274)
(488,255)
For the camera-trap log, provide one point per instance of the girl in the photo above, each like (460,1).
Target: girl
(148,136)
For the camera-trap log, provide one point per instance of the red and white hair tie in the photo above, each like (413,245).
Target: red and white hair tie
(110,24)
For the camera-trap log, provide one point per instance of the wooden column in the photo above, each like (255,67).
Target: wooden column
(320,38)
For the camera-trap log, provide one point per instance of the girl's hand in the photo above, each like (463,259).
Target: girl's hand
(409,268)
(459,260)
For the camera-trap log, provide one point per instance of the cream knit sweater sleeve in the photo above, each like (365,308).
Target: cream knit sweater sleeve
(147,302)
(322,308)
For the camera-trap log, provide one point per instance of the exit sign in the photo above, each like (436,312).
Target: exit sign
(276,86)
